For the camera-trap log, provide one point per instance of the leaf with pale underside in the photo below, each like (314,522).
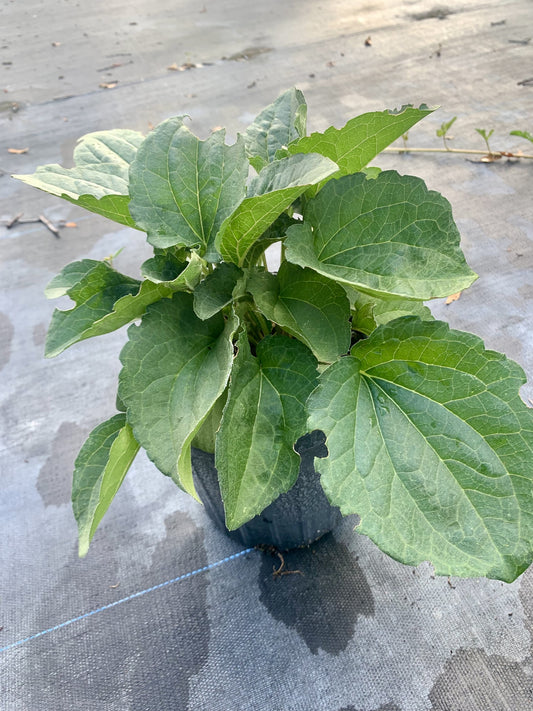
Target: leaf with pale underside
(106,300)
(269,194)
(389,236)
(430,443)
(175,367)
(99,180)
(276,127)
(263,418)
(359,141)
(307,305)
(182,188)
(99,471)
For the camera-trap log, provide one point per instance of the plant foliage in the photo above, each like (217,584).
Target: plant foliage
(428,439)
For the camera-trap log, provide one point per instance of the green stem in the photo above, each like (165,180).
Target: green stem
(487,144)
(263,323)
(258,323)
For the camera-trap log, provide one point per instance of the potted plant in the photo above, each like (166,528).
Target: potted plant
(426,437)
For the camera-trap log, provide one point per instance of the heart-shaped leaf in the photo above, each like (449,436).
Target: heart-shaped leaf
(307,305)
(430,443)
(182,188)
(263,418)
(387,236)
(99,180)
(99,471)
(175,367)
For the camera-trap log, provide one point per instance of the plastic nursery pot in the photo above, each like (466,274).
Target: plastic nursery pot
(294,519)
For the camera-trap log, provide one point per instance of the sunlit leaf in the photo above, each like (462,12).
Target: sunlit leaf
(430,443)
(99,180)
(99,471)
(183,188)
(386,236)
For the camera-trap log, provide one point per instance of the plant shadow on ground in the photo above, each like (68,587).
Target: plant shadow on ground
(319,591)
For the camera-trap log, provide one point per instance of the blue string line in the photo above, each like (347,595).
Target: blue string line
(126,599)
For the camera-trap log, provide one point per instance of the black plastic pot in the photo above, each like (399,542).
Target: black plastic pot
(294,519)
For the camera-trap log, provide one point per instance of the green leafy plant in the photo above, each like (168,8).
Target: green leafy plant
(488,156)
(428,439)
(485,135)
(443,130)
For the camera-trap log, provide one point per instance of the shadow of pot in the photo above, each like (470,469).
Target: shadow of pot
(294,519)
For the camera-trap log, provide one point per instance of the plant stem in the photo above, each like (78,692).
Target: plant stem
(263,323)
(499,154)
(258,323)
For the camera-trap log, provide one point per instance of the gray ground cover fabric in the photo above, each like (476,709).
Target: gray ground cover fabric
(348,629)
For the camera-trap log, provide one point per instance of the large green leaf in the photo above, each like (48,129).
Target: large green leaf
(217,290)
(263,418)
(99,180)
(99,471)
(430,443)
(354,145)
(307,305)
(106,300)
(386,236)
(175,367)
(182,188)
(269,194)
(277,126)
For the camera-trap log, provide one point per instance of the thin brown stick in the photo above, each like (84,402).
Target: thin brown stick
(14,221)
(493,154)
(53,229)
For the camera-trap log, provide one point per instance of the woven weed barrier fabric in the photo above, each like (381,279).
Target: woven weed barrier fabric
(166,613)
